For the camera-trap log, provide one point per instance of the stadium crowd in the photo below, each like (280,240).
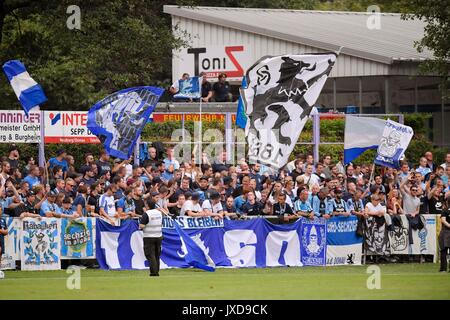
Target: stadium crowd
(117,190)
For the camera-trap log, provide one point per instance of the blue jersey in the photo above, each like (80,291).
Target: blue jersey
(321,207)
(55,162)
(49,207)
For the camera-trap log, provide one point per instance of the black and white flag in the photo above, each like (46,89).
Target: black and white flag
(280,94)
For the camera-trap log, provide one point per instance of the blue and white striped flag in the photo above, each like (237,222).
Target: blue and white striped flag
(28,91)
(195,256)
(361,134)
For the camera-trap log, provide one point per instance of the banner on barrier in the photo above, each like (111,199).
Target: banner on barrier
(253,243)
(77,238)
(424,240)
(12,244)
(40,244)
(344,246)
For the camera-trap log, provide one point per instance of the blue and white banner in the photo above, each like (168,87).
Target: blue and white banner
(344,245)
(252,243)
(196,254)
(77,238)
(28,91)
(361,134)
(190,88)
(40,244)
(11,251)
(394,142)
(118,119)
(314,242)
(424,240)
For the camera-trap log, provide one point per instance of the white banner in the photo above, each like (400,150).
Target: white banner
(425,239)
(232,60)
(279,97)
(16,127)
(12,244)
(40,244)
(399,237)
(68,127)
(393,144)
(344,255)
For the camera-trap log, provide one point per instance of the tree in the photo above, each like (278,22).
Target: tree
(122,43)
(437,16)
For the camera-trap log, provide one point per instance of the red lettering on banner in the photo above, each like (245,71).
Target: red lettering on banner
(240,71)
(74,119)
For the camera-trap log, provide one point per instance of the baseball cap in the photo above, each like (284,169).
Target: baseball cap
(154,193)
(60,152)
(30,193)
(338,190)
(117,160)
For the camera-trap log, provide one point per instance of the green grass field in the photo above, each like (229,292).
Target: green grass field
(400,281)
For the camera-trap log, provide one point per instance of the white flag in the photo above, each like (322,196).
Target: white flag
(279,97)
(394,142)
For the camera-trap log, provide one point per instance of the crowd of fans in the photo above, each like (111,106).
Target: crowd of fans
(118,190)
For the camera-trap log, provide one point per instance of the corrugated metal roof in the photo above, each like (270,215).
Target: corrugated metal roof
(328,30)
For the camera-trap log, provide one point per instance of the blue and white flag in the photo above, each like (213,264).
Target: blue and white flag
(344,245)
(118,119)
(190,88)
(241,117)
(394,141)
(361,134)
(28,91)
(195,255)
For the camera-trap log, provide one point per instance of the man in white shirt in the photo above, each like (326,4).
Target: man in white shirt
(192,207)
(107,204)
(309,177)
(213,207)
(374,207)
(447,161)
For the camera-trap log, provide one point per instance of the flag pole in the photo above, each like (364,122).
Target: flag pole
(372,174)
(42,163)
(200,131)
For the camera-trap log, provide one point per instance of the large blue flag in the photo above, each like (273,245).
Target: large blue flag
(118,119)
(189,89)
(28,91)
(241,117)
(195,256)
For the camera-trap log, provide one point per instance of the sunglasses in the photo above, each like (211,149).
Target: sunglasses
(413,190)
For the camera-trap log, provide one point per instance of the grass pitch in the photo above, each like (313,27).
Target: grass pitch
(400,281)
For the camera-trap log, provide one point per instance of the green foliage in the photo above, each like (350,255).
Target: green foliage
(122,43)
(436,15)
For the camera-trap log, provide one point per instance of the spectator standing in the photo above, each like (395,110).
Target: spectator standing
(444,237)
(107,206)
(59,160)
(446,164)
(103,163)
(13,156)
(33,177)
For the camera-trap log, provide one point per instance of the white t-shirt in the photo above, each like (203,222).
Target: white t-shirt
(190,206)
(213,208)
(373,209)
(108,204)
(314,180)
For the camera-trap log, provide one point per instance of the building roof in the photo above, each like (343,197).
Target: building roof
(328,30)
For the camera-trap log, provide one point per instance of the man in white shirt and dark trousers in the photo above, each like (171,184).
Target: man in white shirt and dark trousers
(151,225)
